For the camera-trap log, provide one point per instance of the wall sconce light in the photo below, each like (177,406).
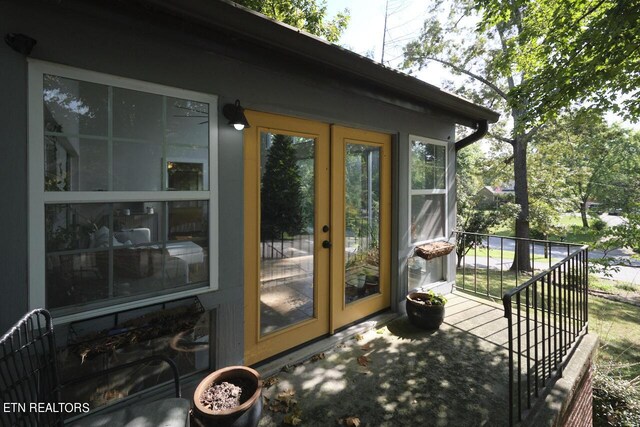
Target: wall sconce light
(21,43)
(235,114)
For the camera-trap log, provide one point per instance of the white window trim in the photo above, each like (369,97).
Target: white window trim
(444,191)
(38,198)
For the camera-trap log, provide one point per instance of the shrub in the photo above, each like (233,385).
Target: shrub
(598,224)
(616,402)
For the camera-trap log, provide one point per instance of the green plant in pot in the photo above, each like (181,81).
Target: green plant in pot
(426,309)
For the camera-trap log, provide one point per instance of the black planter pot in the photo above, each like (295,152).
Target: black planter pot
(246,415)
(424,316)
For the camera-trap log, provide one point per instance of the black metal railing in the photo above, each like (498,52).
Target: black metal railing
(545,303)
(489,265)
(546,316)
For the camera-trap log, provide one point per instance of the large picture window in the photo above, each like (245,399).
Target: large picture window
(123,200)
(428,192)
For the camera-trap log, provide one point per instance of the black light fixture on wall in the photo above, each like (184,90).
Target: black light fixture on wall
(235,114)
(21,43)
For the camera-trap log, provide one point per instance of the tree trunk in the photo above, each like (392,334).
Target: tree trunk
(521,259)
(583,214)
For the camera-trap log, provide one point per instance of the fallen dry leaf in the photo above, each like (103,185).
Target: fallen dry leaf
(349,421)
(317,357)
(352,421)
(366,347)
(270,381)
(293,419)
(364,361)
(358,337)
(287,398)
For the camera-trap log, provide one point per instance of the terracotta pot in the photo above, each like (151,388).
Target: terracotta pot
(247,414)
(424,316)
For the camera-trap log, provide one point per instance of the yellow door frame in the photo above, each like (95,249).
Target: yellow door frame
(259,347)
(330,310)
(341,313)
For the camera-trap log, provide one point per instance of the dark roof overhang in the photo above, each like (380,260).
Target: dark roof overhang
(240,23)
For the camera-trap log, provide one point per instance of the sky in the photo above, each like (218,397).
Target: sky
(364,34)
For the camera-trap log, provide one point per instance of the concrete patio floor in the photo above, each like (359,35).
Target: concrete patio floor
(398,375)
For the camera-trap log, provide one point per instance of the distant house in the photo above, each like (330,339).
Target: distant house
(494,196)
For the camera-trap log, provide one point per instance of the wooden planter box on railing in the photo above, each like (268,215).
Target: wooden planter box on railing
(434,250)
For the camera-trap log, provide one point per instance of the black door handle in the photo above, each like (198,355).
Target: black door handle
(326,244)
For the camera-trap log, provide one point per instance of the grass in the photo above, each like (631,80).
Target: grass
(611,286)
(571,230)
(495,286)
(570,219)
(481,254)
(617,326)
(577,234)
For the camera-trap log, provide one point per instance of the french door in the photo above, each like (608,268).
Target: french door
(317,230)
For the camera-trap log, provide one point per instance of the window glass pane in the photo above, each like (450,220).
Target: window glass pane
(76,278)
(428,162)
(76,164)
(96,136)
(423,272)
(427,217)
(186,255)
(76,226)
(101,251)
(187,168)
(74,107)
(180,330)
(137,166)
(187,122)
(137,115)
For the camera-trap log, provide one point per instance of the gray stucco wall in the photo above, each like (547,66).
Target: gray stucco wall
(97,40)
(13,185)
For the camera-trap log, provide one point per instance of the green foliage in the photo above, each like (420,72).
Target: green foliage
(470,43)
(598,224)
(280,195)
(429,298)
(577,158)
(626,235)
(616,402)
(308,15)
(473,215)
(573,51)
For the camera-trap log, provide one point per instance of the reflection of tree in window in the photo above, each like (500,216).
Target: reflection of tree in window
(281,197)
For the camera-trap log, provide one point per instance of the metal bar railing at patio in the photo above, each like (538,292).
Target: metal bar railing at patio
(489,265)
(546,316)
(543,286)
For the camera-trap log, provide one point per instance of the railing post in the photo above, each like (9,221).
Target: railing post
(506,301)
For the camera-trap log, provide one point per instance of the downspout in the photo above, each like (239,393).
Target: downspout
(481,130)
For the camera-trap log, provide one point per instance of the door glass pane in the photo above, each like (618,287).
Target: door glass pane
(286,230)
(362,227)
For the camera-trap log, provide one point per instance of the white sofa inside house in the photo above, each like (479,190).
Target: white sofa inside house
(135,256)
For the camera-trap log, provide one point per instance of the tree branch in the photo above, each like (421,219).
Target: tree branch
(481,79)
(501,138)
(532,132)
